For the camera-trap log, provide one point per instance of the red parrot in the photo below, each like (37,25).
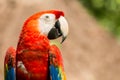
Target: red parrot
(35,58)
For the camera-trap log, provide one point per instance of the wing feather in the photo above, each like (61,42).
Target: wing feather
(56,64)
(9,64)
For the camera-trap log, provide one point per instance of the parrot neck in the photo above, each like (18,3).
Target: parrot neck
(30,40)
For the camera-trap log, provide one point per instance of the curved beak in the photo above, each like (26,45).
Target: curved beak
(60,29)
(63,27)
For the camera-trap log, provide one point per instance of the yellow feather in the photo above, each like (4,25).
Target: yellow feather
(55,42)
(6,67)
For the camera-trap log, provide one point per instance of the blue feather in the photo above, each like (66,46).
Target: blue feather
(54,73)
(10,74)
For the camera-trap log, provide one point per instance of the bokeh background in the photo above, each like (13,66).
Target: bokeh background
(92,49)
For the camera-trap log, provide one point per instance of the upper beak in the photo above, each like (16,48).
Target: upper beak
(63,27)
(60,29)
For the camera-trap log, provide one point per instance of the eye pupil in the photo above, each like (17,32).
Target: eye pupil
(47,16)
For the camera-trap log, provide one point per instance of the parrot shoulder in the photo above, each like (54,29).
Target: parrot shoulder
(56,64)
(9,64)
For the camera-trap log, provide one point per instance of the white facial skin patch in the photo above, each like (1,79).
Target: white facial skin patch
(46,23)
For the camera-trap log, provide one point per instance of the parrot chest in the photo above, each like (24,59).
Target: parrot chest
(35,64)
(33,51)
(35,61)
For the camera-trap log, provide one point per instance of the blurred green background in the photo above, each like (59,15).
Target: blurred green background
(107,12)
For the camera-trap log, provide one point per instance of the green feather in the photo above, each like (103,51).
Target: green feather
(6,67)
(54,42)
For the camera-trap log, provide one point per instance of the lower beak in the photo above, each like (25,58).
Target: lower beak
(53,34)
(63,39)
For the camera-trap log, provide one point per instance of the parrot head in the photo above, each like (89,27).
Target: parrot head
(50,23)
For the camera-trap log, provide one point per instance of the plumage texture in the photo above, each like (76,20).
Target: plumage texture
(34,58)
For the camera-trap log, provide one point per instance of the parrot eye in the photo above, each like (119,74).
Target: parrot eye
(46,16)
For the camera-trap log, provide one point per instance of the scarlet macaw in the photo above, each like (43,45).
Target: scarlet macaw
(35,58)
